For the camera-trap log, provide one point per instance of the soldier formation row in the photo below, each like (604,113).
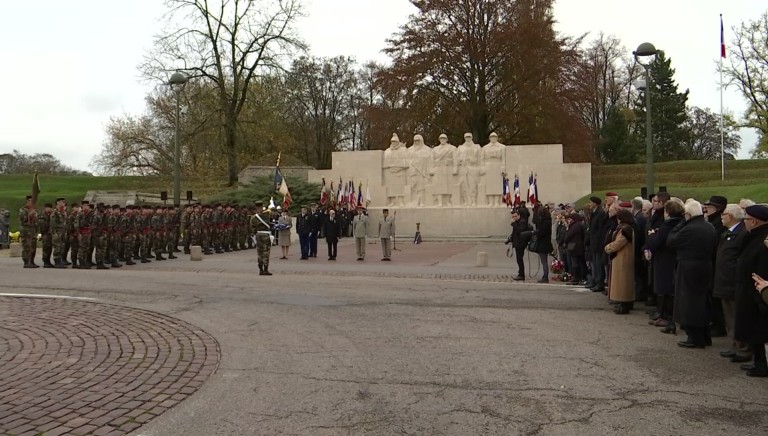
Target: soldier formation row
(104,236)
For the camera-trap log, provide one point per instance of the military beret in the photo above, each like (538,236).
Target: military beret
(122,209)
(85,202)
(611,194)
(48,205)
(115,206)
(596,200)
(60,199)
(625,204)
(75,204)
(758,211)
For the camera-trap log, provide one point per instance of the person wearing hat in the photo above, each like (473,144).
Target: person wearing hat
(284,225)
(595,244)
(303,230)
(332,231)
(713,210)
(59,233)
(260,223)
(317,217)
(386,234)
(84,237)
(28,221)
(360,231)
(44,229)
(73,242)
(751,322)
(610,198)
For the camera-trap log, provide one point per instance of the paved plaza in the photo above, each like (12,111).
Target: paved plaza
(426,344)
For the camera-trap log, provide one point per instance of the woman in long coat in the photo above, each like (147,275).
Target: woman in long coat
(284,236)
(622,252)
(696,243)
(664,259)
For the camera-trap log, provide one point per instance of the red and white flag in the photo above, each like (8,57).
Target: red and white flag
(722,38)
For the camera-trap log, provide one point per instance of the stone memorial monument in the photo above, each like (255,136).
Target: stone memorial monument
(455,191)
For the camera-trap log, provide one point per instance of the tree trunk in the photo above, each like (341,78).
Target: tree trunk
(231,150)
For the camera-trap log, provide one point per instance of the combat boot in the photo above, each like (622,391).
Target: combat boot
(186,251)
(59,264)
(74,264)
(84,265)
(266,272)
(130,262)
(100,265)
(171,256)
(159,256)
(116,264)
(47,263)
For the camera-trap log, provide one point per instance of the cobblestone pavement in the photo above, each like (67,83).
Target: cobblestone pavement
(78,367)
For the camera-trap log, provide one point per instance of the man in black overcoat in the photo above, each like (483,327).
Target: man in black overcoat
(751,325)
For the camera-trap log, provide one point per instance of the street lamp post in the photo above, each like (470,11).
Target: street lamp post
(177,82)
(647,50)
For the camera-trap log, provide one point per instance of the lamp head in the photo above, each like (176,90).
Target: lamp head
(645,50)
(177,80)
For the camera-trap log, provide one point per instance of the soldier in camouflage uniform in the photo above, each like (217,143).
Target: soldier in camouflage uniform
(206,224)
(59,233)
(144,233)
(126,227)
(171,232)
(99,235)
(73,233)
(184,228)
(157,222)
(217,222)
(261,226)
(28,220)
(115,241)
(229,226)
(44,228)
(83,223)
(194,225)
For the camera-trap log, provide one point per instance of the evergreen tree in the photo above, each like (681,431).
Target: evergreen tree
(617,145)
(668,112)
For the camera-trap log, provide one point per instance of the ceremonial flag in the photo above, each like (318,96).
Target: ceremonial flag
(368,198)
(722,38)
(535,189)
(352,196)
(35,189)
(271,203)
(506,195)
(531,190)
(339,192)
(323,193)
(344,195)
(331,195)
(360,194)
(518,199)
(281,186)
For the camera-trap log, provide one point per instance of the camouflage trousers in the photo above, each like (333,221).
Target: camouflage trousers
(263,247)
(47,246)
(100,247)
(146,242)
(159,244)
(84,252)
(128,243)
(28,245)
(171,243)
(59,245)
(74,246)
(114,248)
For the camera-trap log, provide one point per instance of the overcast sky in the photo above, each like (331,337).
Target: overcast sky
(68,66)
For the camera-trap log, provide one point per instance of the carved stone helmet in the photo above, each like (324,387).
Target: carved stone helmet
(395,138)
(443,136)
(418,139)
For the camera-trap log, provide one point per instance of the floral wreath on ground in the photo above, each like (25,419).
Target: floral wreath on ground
(558,271)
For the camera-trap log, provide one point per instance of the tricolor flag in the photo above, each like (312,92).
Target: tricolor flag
(281,186)
(531,190)
(505,194)
(368,198)
(722,38)
(332,194)
(352,196)
(360,194)
(339,192)
(535,189)
(517,199)
(344,195)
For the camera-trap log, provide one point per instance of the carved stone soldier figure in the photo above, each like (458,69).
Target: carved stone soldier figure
(494,160)
(470,158)
(444,168)
(419,170)
(395,168)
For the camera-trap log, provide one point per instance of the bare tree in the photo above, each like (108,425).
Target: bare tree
(748,70)
(227,43)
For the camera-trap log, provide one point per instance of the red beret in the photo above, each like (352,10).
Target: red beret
(625,204)
(611,194)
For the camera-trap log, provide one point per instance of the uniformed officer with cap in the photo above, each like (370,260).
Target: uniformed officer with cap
(260,223)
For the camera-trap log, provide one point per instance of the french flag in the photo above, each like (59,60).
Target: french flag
(518,199)
(722,38)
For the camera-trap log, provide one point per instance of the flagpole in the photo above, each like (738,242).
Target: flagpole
(722,132)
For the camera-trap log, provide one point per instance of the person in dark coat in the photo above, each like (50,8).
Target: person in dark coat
(303,229)
(597,234)
(653,224)
(751,324)
(544,240)
(332,231)
(641,266)
(521,234)
(663,260)
(713,210)
(696,243)
(574,245)
(725,278)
